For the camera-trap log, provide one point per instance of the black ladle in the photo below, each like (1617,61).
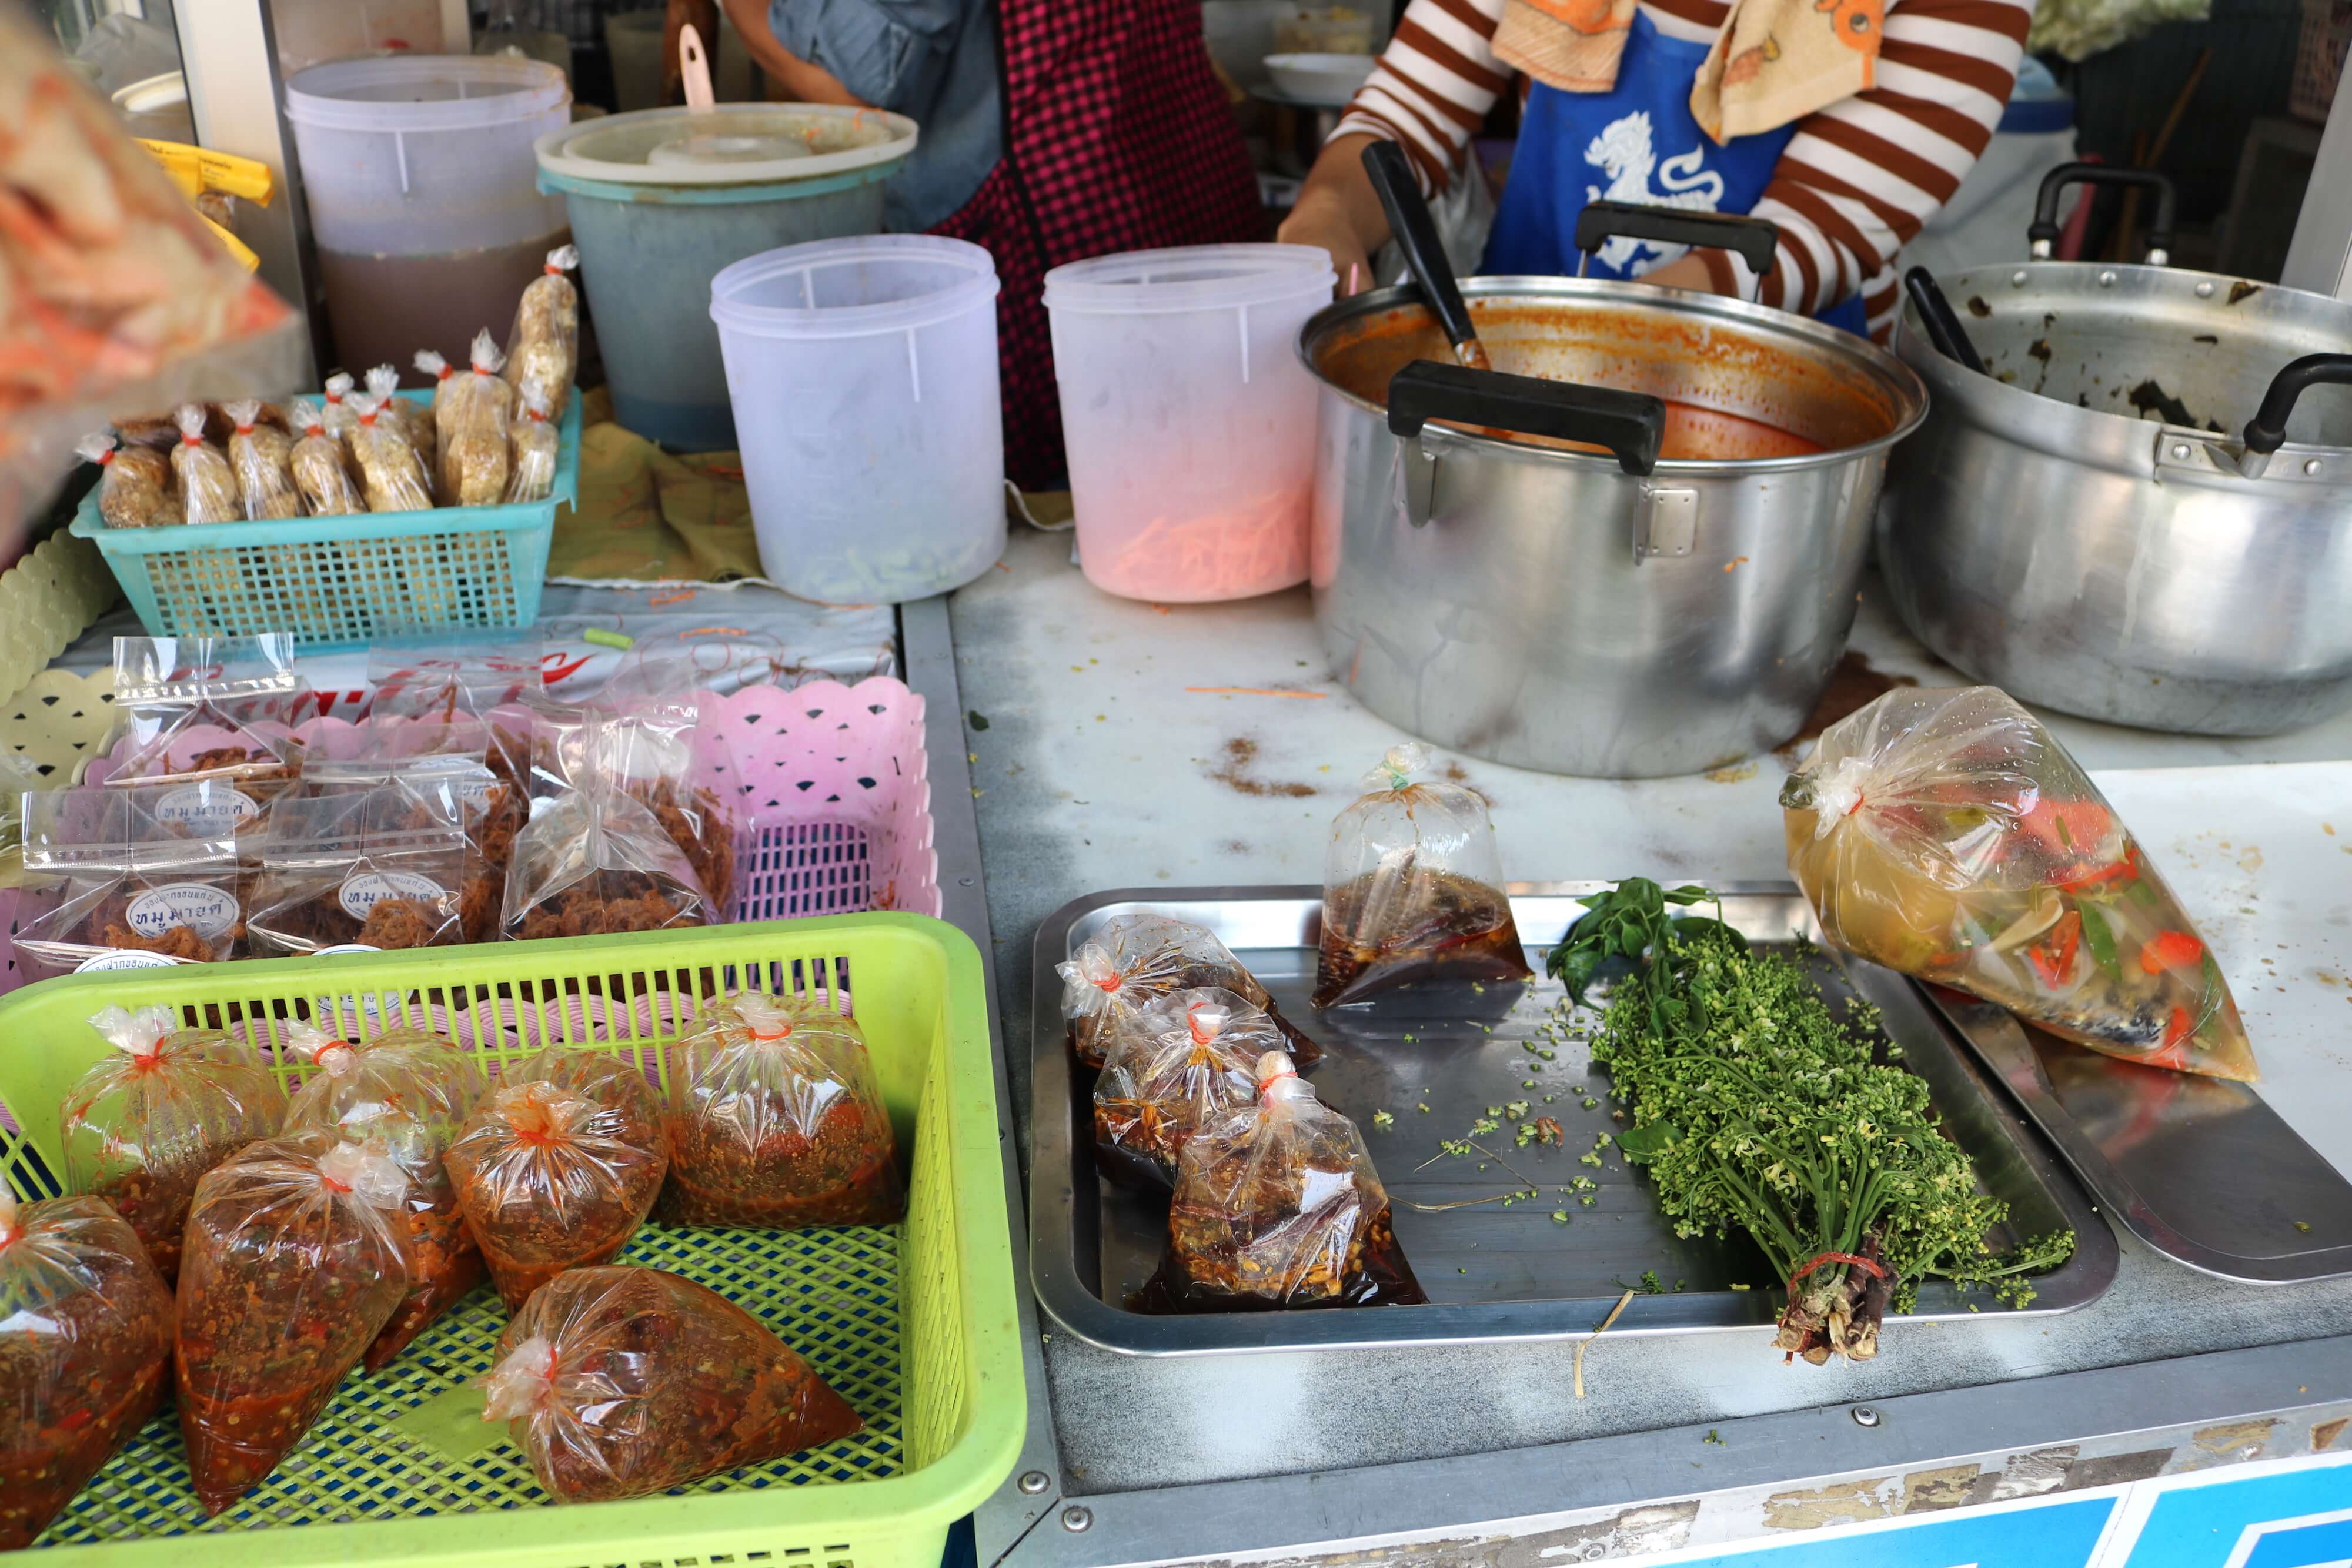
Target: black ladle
(1944,328)
(1416,235)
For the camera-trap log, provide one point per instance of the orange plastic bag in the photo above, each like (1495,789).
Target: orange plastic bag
(1947,833)
(617,1382)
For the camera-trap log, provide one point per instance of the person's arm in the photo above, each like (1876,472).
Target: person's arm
(802,82)
(1429,94)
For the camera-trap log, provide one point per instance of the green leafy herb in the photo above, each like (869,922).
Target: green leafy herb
(1626,922)
(2099,939)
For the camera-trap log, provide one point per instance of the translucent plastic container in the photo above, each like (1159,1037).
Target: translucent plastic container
(864,377)
(1189,420)
(424,195)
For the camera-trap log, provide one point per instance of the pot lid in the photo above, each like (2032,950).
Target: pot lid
(728,144)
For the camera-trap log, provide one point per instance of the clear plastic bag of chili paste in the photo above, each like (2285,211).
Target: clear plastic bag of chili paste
(620,1382)
(776,1121)
(381,867)
(85,1347)
(1137,960)
(601,851)
(558,1166)
(1945,834)
(406,1091)
(1413,888)
(297,1257)
(145,1123)
(1189,1062)
(1278,1208)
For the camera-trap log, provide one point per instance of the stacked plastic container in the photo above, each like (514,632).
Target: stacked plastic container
(1189,421)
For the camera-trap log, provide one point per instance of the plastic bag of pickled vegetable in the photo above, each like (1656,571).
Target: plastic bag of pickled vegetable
(1278,1206)
(207,484)
(1189,1062)
(1413,888)
(131,481)
(619,1381)
(297,1257)
(1947,833)
(776,1121)
(406,1091)
(147,1121)
(1137,960)
(207,707)
(531,476)
(85,1347)
(558,1166)
(321,466)
(544,345)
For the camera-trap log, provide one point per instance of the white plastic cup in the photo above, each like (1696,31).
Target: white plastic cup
(862,373)
(1189,421)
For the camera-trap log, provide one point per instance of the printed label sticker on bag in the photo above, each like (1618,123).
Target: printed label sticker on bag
(206,807)
(124,959)
(209,911)
(362,892)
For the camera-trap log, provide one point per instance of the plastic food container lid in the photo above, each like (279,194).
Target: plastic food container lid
(1189,277)
(902,282)
(423,92)
(727,144)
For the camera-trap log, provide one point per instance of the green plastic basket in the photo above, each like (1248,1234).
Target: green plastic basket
(914,1324)
(343,583)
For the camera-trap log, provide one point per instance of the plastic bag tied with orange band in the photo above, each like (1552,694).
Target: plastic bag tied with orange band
(1137,959)
(1190,1062)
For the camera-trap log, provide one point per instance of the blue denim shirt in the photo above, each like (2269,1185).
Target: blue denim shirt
(931,60)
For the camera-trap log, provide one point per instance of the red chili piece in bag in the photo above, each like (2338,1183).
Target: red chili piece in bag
(618,1382)
(85,1343)
(296,1260)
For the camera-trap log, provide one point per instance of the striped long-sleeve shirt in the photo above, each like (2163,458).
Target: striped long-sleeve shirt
(1857,181)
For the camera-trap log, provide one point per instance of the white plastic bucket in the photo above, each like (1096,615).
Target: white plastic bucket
(862,373)
(1189,421)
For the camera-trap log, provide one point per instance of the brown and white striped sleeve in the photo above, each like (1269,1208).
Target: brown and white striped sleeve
(1434,85)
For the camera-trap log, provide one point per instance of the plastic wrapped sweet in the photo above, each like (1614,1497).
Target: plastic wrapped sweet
(1413,888)
(1945,834)
(1189,1062)
(297,1257)
(131,481)
(620,1382)
(207,484)
(1138,960)
(531,476)
(261,456)
(1278,1206)
(382,866)
(543,348)
(85,1347)
(445,387)
(416,419)
(474,431)
(776,1121)
(119,883)
(408,1093)
(558,1166)
(389,474)
(207,707)
(321,466)
(147,1121)
(341,417)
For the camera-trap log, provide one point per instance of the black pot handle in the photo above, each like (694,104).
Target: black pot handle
(1757,240)
(2266,431)
(2043,232)
(1630,425)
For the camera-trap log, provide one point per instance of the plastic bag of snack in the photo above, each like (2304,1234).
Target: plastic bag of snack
(621,1382)
(544,345)
(407,1092)
(1138,960)
(207,707)
(558,1165)
(651,741)
(389,474)
(377,868)
(297,1257)
(473,438)
(208,491)
(1189,1062)
(1945,834)
(445,387)
(147,1121)
(776,1121)
(85,1347)
(341,417)
(1413,888)
(119,886)
(595,857)
(1278,1206)
(261,456)
(532,467)
(131,481)
(416,419)
(321,468)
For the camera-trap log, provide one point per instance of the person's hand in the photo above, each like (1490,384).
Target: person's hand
(1691,271)
(1321,219)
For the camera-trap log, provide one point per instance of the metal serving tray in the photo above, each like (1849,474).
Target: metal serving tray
(1490,1272)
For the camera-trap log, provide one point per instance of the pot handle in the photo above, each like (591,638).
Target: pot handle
(2266,431)
(1630,425)
(2042,232)
(1757,240)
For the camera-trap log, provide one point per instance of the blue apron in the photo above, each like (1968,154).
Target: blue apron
(1636,142)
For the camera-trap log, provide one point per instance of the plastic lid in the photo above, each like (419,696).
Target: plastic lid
(1189,277)
(425,92)
(878,283)
(727,145)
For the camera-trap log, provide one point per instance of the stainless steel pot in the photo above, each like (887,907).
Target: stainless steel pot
(2088,527)
(1624,616)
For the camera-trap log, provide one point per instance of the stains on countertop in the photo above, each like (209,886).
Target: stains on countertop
(1236,766)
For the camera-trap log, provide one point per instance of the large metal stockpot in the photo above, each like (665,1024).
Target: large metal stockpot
(1613,616)
(2080,526)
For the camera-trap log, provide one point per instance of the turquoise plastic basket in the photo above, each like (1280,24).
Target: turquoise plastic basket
(343,582)
(915,1323)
